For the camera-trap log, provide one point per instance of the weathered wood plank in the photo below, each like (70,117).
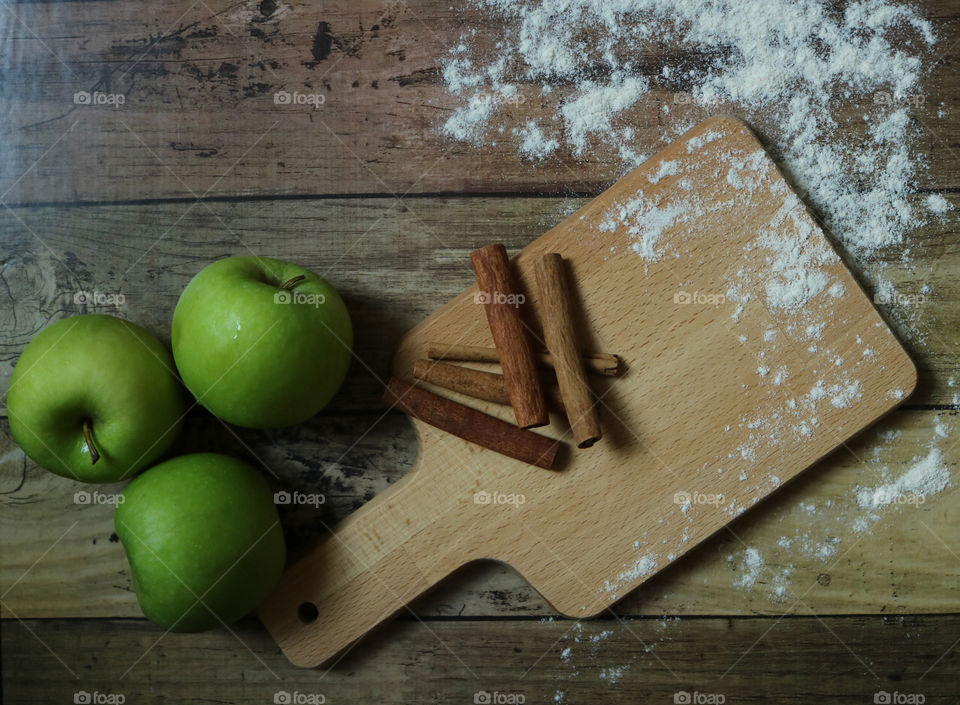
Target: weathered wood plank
(394,261)
(199,115)
(59,560)
(797,660)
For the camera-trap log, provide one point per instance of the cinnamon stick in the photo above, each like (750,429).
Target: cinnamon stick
(472,425)
(556,312)
(501,303)
(479,384)
(600,363)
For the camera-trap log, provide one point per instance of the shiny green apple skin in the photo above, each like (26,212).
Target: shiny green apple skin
(257,355)
(200,526)
(104,370)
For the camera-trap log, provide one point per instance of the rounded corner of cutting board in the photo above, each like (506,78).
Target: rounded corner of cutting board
(905,377)
(301,658)
(290,644)
(911,376)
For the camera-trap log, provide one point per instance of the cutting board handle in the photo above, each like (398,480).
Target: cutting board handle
(360,575)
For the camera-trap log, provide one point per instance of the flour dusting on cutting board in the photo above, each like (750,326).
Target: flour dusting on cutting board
(830,90)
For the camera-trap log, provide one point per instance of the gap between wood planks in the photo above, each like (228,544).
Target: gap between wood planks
(253,198)
(616,618)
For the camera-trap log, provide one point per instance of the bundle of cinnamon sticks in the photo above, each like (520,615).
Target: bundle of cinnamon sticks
(520,385)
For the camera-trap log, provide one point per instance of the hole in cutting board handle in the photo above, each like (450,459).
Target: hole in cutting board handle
(308,612)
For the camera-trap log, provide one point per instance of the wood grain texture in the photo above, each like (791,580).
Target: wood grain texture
(394,261)
(897,565)
(686,357)
(798,661)
(200,117)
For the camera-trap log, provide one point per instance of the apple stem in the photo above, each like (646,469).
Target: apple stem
(290,282)
(88,437)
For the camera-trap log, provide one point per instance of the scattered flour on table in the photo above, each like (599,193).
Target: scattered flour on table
(937,204)
(928,475)
(612,674)
(589,652)
(828,523)
(751,568)
(787,63)
(535,142)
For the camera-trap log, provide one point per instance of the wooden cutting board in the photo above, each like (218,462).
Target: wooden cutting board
(750,351)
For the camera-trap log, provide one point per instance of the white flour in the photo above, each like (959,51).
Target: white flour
(645,565)
(784,64)
(833,521)
(751,568)
(586,655)
(595,106)
(928,475)
(611,675)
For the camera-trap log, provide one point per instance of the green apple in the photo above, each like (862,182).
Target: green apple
(261,343)
(94,398)
(203,539)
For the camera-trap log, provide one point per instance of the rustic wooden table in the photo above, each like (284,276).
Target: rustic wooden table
(200,163)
